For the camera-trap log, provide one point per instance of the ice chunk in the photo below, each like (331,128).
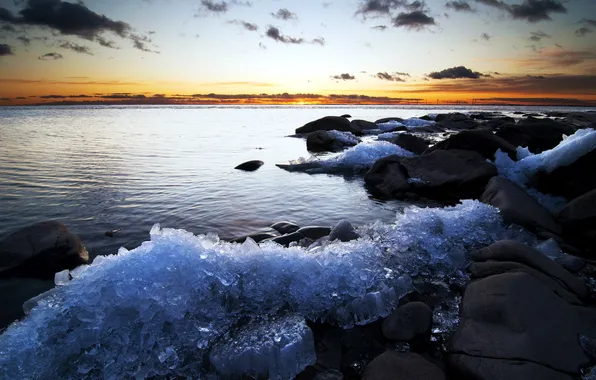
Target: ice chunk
(346,138)
(62,278)
(411,123)
(390,125)
(278,348)
(550,248)
(31,303)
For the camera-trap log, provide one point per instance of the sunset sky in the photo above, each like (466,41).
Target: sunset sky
(308,51)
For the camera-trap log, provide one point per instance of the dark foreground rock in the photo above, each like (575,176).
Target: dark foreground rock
(408,321)
(455,121)
(285,227)
(250,166)
(329,123)
(578,219)
(257,237)
(387,176)
(393,365)
(536,134)
(40,250)
(483,142)
(323,141)
(518,207)
(343,231)
(311,233)
(411,143)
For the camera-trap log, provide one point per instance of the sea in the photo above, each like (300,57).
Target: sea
(126,168)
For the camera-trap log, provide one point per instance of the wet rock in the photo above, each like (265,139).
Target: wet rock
(483,142)
(455,121)
(346,116)
(323,141)
(537,134)
(314,232)
(578,219)
(257,237)
(111,233)
(411,143)
(343,231)
(581,119)
(408,321)
(329,123)
(364,125)
(393,365)
(285,227)
(41,250)
(250,166)
(518,207)
(470,367)
(494,124)
(14,292)
(387,176)
(286,240)
(388,119)
(514,316)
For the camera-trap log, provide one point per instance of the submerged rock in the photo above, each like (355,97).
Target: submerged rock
(14,292)
(393,365)
(250,166)
(364,125)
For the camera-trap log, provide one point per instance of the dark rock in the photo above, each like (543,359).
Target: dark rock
(456,121)
(111,233)
(323,141)
(571,263)
(498,122)
(388,119)
(449,174)
(250,166)
(518,207)
(329,123)
(285,240)
(364,125)
(40,251)
(411,143)
(569,181)
(387,176)
(426,117)
(408,321)
(578,219)
(257,237)
(285,227)
(514,316)
(470,367)
(343,231)
(581,119)
(16,291)
(536,134)
(508,250)
(480,141)
(393,365)
(346,115)
(314,232)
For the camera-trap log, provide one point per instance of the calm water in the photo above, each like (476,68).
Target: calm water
(104,168)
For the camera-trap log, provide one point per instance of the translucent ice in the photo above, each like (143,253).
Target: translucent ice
(550,248)
(62,278)
(278,348)
(390,125)
(411,123)
(345,137)
(158,310)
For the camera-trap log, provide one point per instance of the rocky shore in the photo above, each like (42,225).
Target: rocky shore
(500,286)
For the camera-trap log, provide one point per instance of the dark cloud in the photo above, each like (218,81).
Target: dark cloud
(5,50)
(81,49)
(284,14)
(140,42)
(221,6)
(529,10)
(396,77)
(24,40)
(588,21)
(20,98)
(537,36)
(8,28)
(106,43)
(416,20)
(377,8)
(50,57)
(245,24)
(581,32)
(319,41)
(64,96)
(276,35)
(458,72)
(123,96)
(543,101)
(459,6)
(344,76)
(485,36)
(6,99)
(379,27)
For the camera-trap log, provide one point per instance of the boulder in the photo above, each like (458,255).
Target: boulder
(518,207)
(388,119)
(410,143)
(578,220)
(346,115)
(387,176)
(314,232)
(392,365)
(329,123)
(481,141)
(323,141)
(14,292)
(569,181)
(285,227)
(456,121)
(250,166)
(41,250)
(470,367)
(257,237)
(408,322)
(364,125)
(496,123)
(536,134)
(343,231)
(449,174)
(581,119)
(515,317)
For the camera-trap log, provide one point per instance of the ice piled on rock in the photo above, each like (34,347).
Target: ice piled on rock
(390,125)
(278,348)
(160,309)
(411,123)
(346,138)
(550,249)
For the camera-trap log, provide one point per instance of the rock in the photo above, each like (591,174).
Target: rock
(388,119)
(111,233)
(14,292)
(257,237)
(569,181)
(250,166)
(508,250)
(571,263)
(456,121)
(581,119)
(514,316)
(408,321)
(364,125)
(518,207)
(470,367)
(537,134)
(323,141)
(411,143)
(343,231)
(41,250)
(329,123)
(480,141)
(392,365)
(387,176)
(285,240)
(346,116)
(449,174)
(578,219)
(498,122)
(285,227)
(314,232)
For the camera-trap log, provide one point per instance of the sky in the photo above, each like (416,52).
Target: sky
(302,52)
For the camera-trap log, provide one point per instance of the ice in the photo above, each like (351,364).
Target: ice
(279,348)
(62,278)
(390,125)
(356,159)
(411,123)
(550,249)
(346,138)
(388,136)
(160,309)
(590,374)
